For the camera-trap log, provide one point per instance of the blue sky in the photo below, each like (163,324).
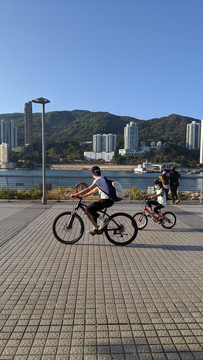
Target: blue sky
(140,58)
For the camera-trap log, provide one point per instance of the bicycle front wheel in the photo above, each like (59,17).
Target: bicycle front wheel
(141,220)
(68,228)
(121,229)
(169,220)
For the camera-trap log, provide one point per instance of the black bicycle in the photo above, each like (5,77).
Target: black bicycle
(68,227)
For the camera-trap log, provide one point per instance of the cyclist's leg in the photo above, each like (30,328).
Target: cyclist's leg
(150,203)
(157,210)
(105,203)
(92,209)
(92,214)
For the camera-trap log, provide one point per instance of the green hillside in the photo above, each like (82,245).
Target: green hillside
(67,132)
(79,125)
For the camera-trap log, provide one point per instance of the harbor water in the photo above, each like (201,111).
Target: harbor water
(29,179)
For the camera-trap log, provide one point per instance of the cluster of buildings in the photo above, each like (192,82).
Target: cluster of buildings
(8,141)
(104,146)
(9,136)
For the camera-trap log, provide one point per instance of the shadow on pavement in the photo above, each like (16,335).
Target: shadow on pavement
(168,247)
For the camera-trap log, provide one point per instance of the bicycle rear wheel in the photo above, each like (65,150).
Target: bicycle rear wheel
(169,220)
(121,229)
(68,228)
(141,220)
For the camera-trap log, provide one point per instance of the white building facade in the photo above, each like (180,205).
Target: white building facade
(4,153)
(201,143)
(193,136)
(106,156)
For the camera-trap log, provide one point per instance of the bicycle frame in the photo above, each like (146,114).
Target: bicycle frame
(154,216)
(82,206)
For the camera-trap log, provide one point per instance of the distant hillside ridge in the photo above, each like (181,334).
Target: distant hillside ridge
(81,125)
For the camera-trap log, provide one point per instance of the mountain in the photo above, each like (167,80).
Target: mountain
(80,125)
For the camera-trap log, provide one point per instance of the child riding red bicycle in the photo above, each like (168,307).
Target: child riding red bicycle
(157,198)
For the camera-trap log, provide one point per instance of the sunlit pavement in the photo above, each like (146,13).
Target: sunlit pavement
(94,300)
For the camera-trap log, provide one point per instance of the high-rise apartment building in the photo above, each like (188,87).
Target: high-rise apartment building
(104,147)
(201,143)
(28,124)
(111,142)
(104,143)
(97,143)
(131,136)
(9,134)
(193,136)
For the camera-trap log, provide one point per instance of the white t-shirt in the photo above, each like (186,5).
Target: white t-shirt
(102,185)
(162,198)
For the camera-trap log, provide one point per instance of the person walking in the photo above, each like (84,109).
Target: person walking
(174,183)
(165,182)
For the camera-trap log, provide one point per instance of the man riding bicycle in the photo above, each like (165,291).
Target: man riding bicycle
(99,184)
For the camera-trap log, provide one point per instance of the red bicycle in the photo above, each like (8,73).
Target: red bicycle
(167,219)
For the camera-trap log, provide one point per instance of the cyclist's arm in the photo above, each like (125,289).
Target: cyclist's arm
(149,194)
(91,191)
(88,191)
(154,196)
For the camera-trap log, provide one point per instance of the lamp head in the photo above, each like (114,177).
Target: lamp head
(41,100)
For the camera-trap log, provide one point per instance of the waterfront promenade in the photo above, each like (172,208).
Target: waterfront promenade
(96,301)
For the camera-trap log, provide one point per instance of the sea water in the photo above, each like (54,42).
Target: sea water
(28,179)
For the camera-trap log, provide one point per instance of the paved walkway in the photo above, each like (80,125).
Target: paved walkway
(96,301)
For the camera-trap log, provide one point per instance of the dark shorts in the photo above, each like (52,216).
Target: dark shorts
(157,207)
(97,206)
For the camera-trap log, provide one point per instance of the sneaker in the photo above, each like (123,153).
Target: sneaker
(103,224)
(92,231)
(177,201)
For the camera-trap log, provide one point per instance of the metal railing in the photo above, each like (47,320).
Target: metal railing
(9,184)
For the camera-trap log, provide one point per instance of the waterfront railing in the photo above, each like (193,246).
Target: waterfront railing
(20,183)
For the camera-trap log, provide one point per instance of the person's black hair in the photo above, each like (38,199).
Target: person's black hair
(96,170)
(158,182)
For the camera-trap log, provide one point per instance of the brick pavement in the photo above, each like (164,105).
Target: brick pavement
(96,301)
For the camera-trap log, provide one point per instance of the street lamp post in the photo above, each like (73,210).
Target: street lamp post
(43,101)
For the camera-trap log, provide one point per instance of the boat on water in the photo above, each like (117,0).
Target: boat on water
(141,170)
(194,171)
